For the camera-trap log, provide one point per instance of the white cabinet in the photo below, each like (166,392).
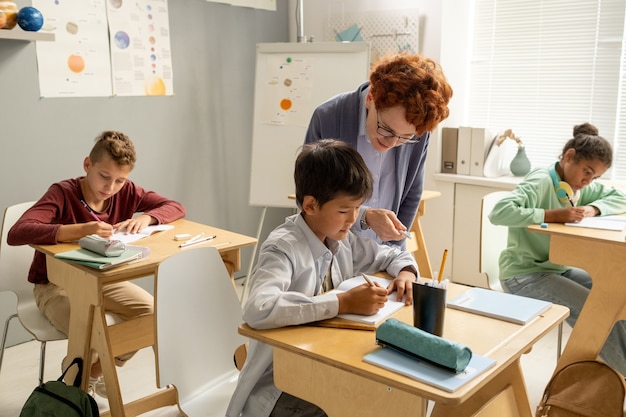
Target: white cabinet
(468,194)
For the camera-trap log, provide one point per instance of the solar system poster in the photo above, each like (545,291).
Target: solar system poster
(140,47)
(105,48)
(77,63)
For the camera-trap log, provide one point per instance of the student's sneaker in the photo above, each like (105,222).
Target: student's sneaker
(96,386)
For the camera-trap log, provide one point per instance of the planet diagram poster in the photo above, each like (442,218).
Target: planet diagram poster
(105,48)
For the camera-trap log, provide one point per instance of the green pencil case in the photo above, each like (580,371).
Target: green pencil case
(422,345)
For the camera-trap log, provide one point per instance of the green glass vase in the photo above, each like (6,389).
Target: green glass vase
(520,165)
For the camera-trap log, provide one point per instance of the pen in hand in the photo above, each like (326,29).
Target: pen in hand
(406,234)
(369,281)
(90,210)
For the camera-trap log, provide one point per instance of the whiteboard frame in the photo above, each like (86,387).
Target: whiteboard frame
(337,67)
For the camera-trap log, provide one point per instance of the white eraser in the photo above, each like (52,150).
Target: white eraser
(182,236)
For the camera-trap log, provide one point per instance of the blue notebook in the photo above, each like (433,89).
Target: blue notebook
(399,362)
(499,305)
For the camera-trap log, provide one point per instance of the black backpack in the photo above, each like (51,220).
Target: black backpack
(55,398)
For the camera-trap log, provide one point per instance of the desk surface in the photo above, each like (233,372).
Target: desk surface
(162,245)
(584,233)
(344,348)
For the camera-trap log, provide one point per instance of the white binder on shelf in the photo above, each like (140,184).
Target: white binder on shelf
(481,139)
(463,149)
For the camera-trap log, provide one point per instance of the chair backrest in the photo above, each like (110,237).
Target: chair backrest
(492,240)
(15,260)
(197,313)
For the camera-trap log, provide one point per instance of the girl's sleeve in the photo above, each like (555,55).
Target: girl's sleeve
(523,207)
(608,200)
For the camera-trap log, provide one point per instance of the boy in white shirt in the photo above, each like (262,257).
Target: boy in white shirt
(304,258)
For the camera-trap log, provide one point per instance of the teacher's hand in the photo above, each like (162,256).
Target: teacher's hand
(385,224)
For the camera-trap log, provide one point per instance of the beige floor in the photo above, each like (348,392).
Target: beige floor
(18,376)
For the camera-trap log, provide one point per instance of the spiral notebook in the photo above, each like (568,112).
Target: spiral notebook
(358,321)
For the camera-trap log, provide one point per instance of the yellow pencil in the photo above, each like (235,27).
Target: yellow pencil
(443,264)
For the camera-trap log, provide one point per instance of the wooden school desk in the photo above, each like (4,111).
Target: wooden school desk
(324,366)
(602,253)
(88,328)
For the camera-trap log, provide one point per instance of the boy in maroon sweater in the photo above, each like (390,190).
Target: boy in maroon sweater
(66,213)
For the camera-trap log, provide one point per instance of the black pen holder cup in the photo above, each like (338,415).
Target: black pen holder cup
(429,308)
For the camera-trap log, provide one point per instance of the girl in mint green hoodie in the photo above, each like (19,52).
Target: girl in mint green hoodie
(564,192)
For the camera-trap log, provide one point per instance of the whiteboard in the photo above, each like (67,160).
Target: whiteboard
(292,79)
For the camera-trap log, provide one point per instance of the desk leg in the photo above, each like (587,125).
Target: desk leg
(340,390)
(504,396)
(101,343)
(232,261)
(604,261)
(84,293)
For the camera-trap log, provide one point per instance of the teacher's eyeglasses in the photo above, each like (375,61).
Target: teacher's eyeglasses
(390,134)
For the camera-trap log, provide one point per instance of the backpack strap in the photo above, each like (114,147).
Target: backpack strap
(67,402)
(79,376)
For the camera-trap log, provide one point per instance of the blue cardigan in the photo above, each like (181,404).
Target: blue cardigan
(338,118)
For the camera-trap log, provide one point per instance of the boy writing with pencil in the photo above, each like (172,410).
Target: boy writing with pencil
(101,202)
(303,259)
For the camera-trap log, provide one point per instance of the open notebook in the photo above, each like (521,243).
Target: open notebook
(145,232)
(358,321)
(602,222)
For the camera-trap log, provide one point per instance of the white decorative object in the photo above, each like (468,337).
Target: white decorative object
(500,155)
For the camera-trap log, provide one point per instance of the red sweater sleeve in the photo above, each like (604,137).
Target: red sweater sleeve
(61,205)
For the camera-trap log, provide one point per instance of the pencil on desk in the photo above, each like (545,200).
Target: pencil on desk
(443,264)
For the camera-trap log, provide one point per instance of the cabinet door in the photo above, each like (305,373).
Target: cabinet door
(466,238)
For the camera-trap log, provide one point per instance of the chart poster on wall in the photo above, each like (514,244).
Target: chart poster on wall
(77,64)
(291,80)
(287,90)
(140,48)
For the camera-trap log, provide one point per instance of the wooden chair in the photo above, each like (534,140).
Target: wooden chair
(14,265)
(493,240)
(197,313)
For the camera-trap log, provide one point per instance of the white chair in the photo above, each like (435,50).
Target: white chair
(14,265)
(493,240)
(197,313)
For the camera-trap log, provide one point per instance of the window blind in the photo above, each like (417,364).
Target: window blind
(540,67)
